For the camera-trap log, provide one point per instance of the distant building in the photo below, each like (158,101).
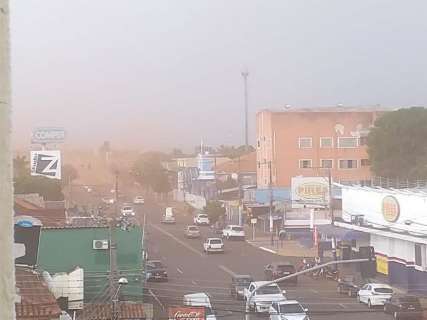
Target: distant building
(310,142)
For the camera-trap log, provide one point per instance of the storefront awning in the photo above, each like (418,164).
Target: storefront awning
(341,233)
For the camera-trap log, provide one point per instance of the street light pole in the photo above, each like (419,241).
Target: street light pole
(245,75)
(271,204)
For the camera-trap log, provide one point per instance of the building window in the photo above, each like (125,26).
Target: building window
(258,144)
(305,142)
(363,141)
(326,163)
(420,255)
(365,163)
(305,163)
(348,142)
(348,164)
(326,142)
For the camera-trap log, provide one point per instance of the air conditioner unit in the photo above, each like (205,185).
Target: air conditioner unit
(100,244)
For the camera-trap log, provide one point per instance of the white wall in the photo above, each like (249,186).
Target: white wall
(394,247)
(368,201)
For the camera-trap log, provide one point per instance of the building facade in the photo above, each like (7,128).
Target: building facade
(312,142)
(395,222)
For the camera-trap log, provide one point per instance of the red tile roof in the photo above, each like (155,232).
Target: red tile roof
(48,217)
(246,163)
(127,310)
(37,302)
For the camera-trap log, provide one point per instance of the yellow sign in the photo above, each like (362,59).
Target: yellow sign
(390,209)
(312,190)
(382,264)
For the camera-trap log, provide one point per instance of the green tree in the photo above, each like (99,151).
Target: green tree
(69,173)
(49,189)
(233,152)
(149,172)
(215,211)
(397,145)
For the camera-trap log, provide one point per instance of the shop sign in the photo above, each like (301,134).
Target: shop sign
(390,209)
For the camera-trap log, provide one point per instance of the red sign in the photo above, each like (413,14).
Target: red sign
(187,313)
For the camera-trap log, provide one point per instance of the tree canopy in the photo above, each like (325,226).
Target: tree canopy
(149,172)
(397,145)
(214,210)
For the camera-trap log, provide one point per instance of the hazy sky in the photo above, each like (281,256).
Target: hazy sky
(158,74)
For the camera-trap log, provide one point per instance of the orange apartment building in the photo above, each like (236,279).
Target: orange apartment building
(310,142)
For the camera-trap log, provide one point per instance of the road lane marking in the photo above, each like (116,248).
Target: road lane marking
(179,270)
(156,298)
(194,282)
(314,291)
(342,306)
(268,250)
(177,240)
(225,269)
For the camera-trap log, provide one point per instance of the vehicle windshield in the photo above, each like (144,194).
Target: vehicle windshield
(291,308)
(237,229)
(269,290)
(285,268)
(156,264)
(215,241)
(202,216)
(243,281)
(383,290)
(127,208)
(193,228)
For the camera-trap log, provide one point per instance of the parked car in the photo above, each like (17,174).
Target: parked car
(168,216)
(346,285)
(192,232)
(278,270)
(238,283)
(201,219)
(289,310)
(404,307)
(108,200)
(261,299)
(155,270)
(233,232)
(374,294)
(127,211)
(200,299)
(213,245)
(138,200)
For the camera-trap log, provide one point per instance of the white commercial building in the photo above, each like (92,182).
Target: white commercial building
(396,221)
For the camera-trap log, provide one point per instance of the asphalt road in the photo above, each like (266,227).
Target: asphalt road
(191,270)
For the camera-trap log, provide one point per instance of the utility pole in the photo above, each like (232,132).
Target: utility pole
(113,248)
(245,75)
(7,267)
(331,209)
(271,202)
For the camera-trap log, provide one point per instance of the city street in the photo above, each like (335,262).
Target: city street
(190,270)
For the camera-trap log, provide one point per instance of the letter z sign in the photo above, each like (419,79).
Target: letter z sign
(46,163)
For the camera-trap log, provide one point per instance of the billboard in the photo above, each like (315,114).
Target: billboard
(45,135)
(310,192)
(187,313)
(46,163)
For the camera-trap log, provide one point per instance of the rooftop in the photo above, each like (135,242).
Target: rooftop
(48,217)
(127,310)
(332,109)
(37,302)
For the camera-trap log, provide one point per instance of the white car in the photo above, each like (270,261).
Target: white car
(127,211)
(213,245)
(108,200)
(288,309)
(200,299)
(260,300)
(374,294)
(233,231)
(201,219)
(138,200)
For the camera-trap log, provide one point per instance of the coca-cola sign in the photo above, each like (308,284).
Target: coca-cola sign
(187,313)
